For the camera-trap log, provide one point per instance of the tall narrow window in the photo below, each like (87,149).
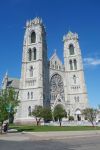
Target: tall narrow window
(78,98)
(31,71)
(34,53)
(74,78)
(28,95)
(71,49)
(29,111)
(33,37)
(29,55)
(31,95)
(71,65)
(75,64)
(55,65)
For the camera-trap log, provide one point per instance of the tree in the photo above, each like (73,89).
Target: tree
(47,114)
(13,102)
(90,114)
(3,111)
(8,103)
(59,113)
(38,113)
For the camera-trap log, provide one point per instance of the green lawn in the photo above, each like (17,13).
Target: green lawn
(52,128)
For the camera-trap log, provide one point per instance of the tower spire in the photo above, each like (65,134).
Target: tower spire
(5,80)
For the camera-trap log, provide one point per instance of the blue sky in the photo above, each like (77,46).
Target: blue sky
(59,16)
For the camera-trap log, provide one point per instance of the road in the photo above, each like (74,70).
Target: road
(25,142)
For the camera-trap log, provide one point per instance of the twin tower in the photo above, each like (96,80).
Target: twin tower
(50,82)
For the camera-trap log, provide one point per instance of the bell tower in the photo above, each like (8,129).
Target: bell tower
(34,73)
(75,87)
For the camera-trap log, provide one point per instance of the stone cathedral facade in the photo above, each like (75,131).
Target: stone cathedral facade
(50,82)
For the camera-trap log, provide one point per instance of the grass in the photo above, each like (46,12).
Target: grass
(21,128)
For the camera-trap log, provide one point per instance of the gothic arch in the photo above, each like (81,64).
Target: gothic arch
(56,88)
(31,95)
(29,54)
(74,78)
(34,53)
(28,95)
(75,64)
(33,37)
(78,111)
(29,111)
(71,64)
(31,71)
(78,114)
(71,49)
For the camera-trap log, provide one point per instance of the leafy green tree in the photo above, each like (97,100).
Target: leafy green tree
(13,102)
(3,110)
(8,103)
(90,114)
(38,113)
(47,114)
(59,113)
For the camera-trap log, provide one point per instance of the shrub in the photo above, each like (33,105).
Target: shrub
(71,118)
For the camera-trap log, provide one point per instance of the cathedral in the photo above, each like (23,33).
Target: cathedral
(49,82)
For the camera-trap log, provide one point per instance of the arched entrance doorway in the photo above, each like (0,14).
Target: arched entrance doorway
(78,114)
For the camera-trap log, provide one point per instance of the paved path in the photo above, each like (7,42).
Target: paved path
(63,134)
(35,136)
(14,137)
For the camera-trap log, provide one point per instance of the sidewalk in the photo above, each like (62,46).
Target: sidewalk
(35,136)
(14,137)
(62,134)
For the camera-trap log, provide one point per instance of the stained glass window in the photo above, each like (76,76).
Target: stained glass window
(56,87)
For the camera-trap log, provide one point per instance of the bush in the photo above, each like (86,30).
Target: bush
(71,118)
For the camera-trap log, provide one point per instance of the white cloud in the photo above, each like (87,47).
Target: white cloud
(91,61)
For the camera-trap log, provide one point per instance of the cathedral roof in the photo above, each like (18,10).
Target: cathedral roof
(13,82)
(55,62)
(54,56)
